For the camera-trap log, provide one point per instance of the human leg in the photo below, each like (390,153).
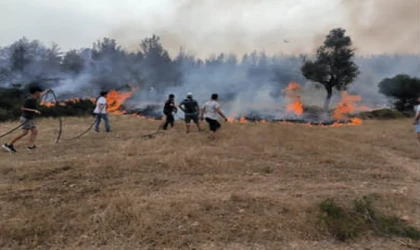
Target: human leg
(106,120)
(187,123)
(97,122)
(32,137)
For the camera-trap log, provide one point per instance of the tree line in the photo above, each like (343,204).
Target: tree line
(109,65)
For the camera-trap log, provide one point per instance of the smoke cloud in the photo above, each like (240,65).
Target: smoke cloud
(277,31)
(291,27)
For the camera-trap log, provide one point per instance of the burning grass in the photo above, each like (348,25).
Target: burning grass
(258,186)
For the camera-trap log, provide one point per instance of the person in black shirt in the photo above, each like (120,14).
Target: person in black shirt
(191,109)
(168,110)
(29,110)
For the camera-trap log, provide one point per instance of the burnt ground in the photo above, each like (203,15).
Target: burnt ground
(257,187)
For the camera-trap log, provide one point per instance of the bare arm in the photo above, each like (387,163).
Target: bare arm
(417,118)
(219,111)
(180,107)
(202,113)
(45,92)
(101,107)
(31,110)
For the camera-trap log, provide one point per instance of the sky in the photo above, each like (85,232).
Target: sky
(207,27)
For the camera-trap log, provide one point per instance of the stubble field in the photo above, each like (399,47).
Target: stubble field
(257,186)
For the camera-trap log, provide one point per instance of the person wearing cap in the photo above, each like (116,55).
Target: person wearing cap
(191,109)
(168,110)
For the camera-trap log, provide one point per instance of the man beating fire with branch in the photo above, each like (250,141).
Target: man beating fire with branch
(29,110)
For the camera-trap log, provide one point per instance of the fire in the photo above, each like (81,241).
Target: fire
(65,102)
(356,121)
(346,105)
(115,99)
(242,120)
(296,106)
(47,104)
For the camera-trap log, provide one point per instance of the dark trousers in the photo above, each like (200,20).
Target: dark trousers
(169,121)
(99,117)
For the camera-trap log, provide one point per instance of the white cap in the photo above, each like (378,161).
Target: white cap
(189,94)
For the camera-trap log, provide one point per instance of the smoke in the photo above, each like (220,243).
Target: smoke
(246,83)
(292,27)
(384,26)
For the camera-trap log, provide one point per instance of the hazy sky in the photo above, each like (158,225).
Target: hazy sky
(212,26)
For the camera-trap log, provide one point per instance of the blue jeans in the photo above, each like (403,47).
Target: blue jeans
(99,117)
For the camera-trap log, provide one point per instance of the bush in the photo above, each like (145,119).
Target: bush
(402,89)
(346,223)
(382,114)
(11,101)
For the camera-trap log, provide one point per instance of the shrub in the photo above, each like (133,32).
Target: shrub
(382,114)
(346,223)
(402,89)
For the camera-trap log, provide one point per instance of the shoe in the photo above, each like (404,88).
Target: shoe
(9,148)
(31,148)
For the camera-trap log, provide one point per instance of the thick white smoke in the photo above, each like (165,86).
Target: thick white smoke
(209,27)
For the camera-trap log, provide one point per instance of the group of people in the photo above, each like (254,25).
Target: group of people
(210,112)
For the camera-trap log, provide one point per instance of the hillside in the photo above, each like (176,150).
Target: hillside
(256,187)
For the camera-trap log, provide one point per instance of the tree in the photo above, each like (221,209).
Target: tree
(403,89)
(73,63)
(20,56)
(333,66)
(159,69)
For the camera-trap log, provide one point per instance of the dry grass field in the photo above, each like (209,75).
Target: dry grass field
(256,187)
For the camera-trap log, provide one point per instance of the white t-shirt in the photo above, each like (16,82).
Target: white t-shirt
(417,110)
(101,100)
(210,110)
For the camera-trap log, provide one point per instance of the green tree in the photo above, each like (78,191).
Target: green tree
(73,63)
(403,89)
(333,66)
(159,69)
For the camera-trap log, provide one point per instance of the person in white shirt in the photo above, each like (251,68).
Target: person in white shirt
(211,111)
(100,112)
(417,118)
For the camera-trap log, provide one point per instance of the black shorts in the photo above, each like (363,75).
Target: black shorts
(213,124)
(188,118)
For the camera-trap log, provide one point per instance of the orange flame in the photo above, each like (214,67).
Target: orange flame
(115,99)
(296,106)
(47,104)
(346,105)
